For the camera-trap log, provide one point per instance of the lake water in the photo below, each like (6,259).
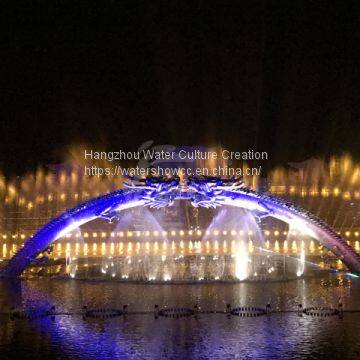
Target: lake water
(282,335)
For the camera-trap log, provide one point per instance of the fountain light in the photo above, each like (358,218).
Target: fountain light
(233,246)
(241,262)
(276,246)
(224,246)
(156,247)
(285,246)
(167,277)
(190,246)
(207,246)
(4,250)
(301,266)
(251,247)
(312,247)
(86,249)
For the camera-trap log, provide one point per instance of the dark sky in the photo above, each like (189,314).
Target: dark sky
(276,76)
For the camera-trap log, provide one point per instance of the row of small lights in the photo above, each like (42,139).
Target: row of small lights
(280,189)
(325,192)
(196,245)
(49,198)
(174,233)
(267,243)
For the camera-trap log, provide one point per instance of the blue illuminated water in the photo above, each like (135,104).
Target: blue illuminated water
(282,335)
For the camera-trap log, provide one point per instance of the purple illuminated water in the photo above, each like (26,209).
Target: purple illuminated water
(279,336)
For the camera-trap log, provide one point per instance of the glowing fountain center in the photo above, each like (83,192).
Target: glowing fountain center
(241,262)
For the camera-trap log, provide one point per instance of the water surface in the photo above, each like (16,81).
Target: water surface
(283,334)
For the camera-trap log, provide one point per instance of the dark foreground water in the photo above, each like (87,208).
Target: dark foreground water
(282,335)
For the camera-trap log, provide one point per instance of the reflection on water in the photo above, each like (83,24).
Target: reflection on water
(280,335)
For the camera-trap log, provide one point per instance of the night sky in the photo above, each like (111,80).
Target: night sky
(276,76)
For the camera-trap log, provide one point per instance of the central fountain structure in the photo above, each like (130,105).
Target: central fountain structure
(195,265)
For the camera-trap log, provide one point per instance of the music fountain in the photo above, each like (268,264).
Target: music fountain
(140,244)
